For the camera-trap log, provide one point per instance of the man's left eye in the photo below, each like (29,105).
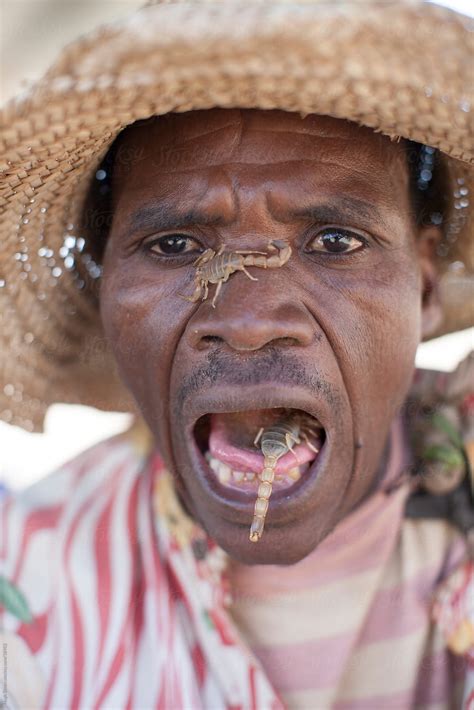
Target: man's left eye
(173,245)
(336,241)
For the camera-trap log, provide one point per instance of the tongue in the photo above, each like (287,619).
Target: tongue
(251,461)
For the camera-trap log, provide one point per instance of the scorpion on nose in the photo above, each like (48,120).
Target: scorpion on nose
(275,441)
(216,267)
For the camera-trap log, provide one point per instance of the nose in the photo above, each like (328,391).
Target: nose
(245,324)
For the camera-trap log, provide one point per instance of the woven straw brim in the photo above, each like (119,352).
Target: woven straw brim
(402,69)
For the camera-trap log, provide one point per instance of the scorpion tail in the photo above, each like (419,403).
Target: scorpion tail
(261,504)
(256,529)
(280,259)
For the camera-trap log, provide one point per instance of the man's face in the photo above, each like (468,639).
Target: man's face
(331,335)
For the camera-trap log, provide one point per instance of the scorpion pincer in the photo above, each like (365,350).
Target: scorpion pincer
(275,441)
(216,267)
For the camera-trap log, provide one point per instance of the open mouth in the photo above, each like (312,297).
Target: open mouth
(231,444)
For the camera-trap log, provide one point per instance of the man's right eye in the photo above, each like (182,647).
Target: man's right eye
(173,245)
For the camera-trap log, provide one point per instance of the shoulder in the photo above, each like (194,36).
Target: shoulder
(55,535)
(41,504)
(430,547)
(35,522)
(440,424)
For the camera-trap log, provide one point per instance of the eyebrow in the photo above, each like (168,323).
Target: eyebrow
(343,209)
(161,216)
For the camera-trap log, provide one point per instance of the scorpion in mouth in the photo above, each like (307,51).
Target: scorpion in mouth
(275,441)
(216,267)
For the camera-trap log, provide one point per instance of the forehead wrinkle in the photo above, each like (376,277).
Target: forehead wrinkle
(250,129)
(246,132)
(186,140)
(309,133)
(378,191)
(327,138)
(282,163)
(220,153)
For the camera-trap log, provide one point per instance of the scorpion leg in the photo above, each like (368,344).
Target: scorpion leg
(239,251)
(219,286)
(311,430)
(195,297)
(308,442)
(258,437)
(206,291)
(252,278)
(290,440)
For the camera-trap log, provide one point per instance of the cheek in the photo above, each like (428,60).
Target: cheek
(386,331)
(375,312)
(372,318)
(388,303)
(140,322)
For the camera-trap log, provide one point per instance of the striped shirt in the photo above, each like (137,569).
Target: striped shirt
(118,600)
(349,626)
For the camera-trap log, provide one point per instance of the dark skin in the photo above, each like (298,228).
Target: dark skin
(332,332)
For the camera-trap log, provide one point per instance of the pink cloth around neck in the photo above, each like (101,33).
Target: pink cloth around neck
(358,541)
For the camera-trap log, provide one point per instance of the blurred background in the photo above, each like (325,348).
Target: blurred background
(31,34)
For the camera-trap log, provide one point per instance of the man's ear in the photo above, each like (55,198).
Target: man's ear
(432,314)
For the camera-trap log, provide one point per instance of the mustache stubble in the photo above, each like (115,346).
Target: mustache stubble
(269,365)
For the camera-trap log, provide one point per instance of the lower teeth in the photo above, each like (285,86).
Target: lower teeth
(295,473)
(226,475)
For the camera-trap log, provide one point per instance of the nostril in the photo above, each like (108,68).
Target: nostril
(211,339)
(286,341)
(204,342)
(216,339)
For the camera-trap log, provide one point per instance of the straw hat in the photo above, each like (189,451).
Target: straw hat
(402,68)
